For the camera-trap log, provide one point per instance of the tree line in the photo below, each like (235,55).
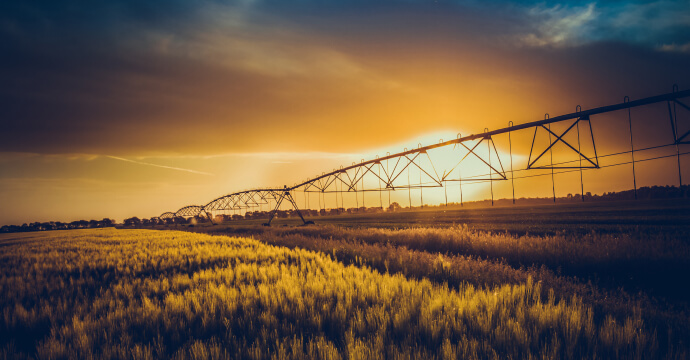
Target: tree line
(647,192)
(250,215)
(57,225)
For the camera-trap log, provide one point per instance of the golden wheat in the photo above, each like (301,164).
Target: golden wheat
(116,294)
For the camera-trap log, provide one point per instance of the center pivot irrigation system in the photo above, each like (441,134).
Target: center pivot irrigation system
(389,171)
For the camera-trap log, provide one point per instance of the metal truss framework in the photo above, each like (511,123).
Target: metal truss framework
(389,171)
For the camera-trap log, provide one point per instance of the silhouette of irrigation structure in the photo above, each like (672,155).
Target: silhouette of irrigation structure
(392,172)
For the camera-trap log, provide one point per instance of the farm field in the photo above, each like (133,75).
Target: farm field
(634,245)
(658,215)
(331,292)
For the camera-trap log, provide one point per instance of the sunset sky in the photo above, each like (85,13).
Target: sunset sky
(117,108)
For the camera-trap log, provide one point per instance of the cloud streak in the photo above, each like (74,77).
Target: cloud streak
(159,166)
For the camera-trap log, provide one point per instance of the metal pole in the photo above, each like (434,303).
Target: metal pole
(632,147)
(409,187)
(582,184)
(491,175)
(421,190)
(675,122)
(553,183)
(364,192)
(335,193)
(356,198)
(380,189)
(460,183)
(336,197)
(388,177)
(579,155)
(512,174)
(342,200)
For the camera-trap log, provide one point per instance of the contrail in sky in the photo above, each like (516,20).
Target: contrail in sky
(160,166)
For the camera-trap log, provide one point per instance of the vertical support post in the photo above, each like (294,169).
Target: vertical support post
(675,126)
(579,155)
(510,150)
(632,147)
(388,177)
(342,200)
(335,193)
(380,189)
(364,192)
(421,186)
(553,182)
(338,192)
(582,184)
(491,176)
(356,198)
(409,185)
(460,183)
(421,190)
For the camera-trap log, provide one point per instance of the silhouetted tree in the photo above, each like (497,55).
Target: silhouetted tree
(133,221)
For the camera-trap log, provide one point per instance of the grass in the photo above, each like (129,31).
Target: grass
(667,216)
(638,261)
(105,293)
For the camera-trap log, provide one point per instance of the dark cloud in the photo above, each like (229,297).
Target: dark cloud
(207,77)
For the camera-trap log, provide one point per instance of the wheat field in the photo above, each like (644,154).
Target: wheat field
(116,294)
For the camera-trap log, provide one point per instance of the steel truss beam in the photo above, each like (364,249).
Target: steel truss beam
(351,178)
(242,200)
(594,163)
(189,211)
(167,215)
(492,169)
(250,199)
(192,211)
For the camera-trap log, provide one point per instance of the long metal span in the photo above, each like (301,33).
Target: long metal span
(351,178)
(585,114)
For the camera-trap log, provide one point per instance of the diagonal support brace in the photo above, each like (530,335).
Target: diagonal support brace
(285,195)
(595,162)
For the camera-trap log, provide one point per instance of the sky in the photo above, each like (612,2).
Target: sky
(120,108)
